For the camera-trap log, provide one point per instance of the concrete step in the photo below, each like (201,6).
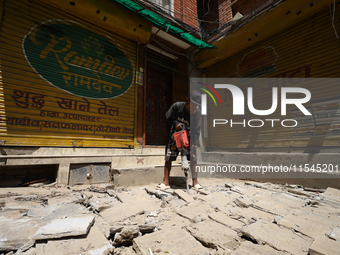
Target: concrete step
(134,176)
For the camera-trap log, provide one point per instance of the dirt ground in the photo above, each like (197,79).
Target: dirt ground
(229,216)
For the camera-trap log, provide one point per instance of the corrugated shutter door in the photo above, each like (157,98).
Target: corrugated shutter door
(308,49)
(65,82)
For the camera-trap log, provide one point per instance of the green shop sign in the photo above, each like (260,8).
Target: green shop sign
(77,60)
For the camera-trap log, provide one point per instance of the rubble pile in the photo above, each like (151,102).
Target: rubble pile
(228,217)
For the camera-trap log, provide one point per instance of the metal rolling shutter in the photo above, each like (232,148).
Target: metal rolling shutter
(64,81)
(308,49)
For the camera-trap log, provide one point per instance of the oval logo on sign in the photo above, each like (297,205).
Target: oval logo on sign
(77,60)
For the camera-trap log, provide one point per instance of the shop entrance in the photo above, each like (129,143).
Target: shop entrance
(158,101)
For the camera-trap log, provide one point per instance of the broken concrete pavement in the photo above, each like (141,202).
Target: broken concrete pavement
(235,217)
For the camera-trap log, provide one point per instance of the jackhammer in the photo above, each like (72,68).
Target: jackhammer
(182,143)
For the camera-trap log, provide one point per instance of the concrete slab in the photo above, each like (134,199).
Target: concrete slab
(25,247)
(58,211)
(223,219)
(332,194)
(335,234)
(279,203)
(322,213)
(279,238)
(143,175)
(256,249)
(94,243)
(183,195)
(121,212)
(202,191)
(171,241)
(300,192)
(100,204)
(158,193)
(169,219)
(213,235)
(17,232)
(247,215)
(221,199)
(136,195)
(124,251)
(64,227)
(176,202)
(136,201)
(194,210)
(10,215)
(324,246)
(243,202)
(219,205)
(22,206)
(307,225)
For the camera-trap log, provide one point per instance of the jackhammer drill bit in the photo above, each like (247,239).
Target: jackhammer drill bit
(186,167)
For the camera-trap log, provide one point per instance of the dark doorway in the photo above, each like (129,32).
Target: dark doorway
(158,101)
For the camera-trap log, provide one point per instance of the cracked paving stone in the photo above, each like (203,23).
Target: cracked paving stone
(194,209)
(247,215)
(16,233)
(243,202)
(248,248)
(94,243)
(213,235)
(204,216)
(184,196)
(65,227)
(124,251)
(158,193)
(308,226)
(22,206)
(332,194)
(323,212)
(221,199)
(171,219)
(279,204)
(130,209)
(324,246)
(101,204)
(58,211)
(223,219)
(171,241)
(335,234)
(279,238)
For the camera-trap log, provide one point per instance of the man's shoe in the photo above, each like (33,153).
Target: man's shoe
(197,187)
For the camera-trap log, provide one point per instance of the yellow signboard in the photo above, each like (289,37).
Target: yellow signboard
(65,82)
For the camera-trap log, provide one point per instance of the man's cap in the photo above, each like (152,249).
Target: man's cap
(195,97)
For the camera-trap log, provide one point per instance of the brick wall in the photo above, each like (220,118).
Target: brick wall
(246,6)
(216,13)
(225,12)
(186,10)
